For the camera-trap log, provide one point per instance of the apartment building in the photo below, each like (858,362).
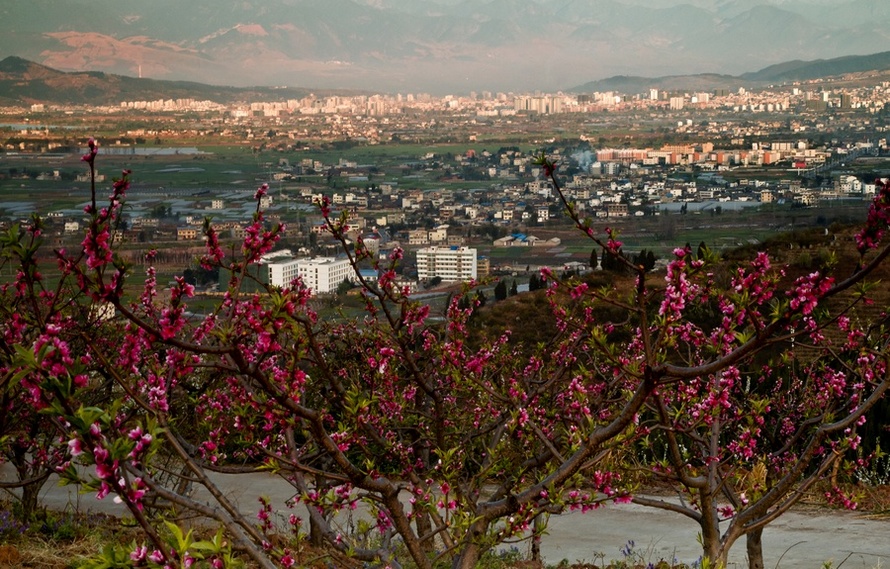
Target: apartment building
(451,264)
(321,274)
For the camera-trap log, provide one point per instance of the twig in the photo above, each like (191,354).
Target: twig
(786,551)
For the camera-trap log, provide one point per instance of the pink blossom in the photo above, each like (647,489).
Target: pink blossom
(75,447)
(261,191)
(139,554)
(104,490)
(90,156)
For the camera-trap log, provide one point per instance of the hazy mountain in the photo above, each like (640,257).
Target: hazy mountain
(786,72)
(705,82)
(436,45)
(804,70)
(26,82)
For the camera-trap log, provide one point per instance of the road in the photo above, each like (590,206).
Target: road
(802,539)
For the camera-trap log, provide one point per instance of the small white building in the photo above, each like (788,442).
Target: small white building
(438,235)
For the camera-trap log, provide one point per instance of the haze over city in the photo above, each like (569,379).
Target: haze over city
(440,46)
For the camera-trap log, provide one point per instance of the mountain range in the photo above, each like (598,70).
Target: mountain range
(25,82)
(850,70)
(439,46)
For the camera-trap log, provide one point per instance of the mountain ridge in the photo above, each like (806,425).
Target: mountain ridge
(785,72)
(27,82)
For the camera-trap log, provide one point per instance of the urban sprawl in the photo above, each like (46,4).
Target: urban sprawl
(620,157)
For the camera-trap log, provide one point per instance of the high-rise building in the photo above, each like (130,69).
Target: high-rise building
(451,264)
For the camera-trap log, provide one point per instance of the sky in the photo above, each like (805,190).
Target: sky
(438,46)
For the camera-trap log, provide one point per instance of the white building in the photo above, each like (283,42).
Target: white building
(321,274)
(451,264)
(281,273)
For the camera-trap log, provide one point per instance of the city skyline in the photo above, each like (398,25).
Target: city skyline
(440,46)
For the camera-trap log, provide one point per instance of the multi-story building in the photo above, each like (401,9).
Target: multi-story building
(616,210)
(451,264)
(186,233)
(438,234)
(280,272)
(321,274)
(418,237)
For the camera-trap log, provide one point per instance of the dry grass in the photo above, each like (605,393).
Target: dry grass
(876,501)
(53,554)
(59,540)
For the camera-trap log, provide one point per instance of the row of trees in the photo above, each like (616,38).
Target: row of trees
(501,292)
(617,262)
(726,374)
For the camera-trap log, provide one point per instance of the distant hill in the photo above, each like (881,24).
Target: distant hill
(636,85)
(26,82)
(805,70)
(780,73)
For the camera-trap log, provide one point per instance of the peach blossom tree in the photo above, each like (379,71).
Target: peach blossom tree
(742,444)
(763,398)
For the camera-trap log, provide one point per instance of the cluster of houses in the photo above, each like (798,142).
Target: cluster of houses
(511,200)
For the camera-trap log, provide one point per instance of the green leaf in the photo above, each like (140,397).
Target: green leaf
(183,542)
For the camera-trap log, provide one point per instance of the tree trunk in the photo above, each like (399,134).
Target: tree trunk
(316,530)
(468,558)
(424,528)
(470,552)
(710,529)
(713,552)
(31,497)
(755,549)
(316,534)
(536,539)
(25,471)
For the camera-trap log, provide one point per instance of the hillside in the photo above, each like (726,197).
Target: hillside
(806,70)
(26,82)
(641,85)
(787,72)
